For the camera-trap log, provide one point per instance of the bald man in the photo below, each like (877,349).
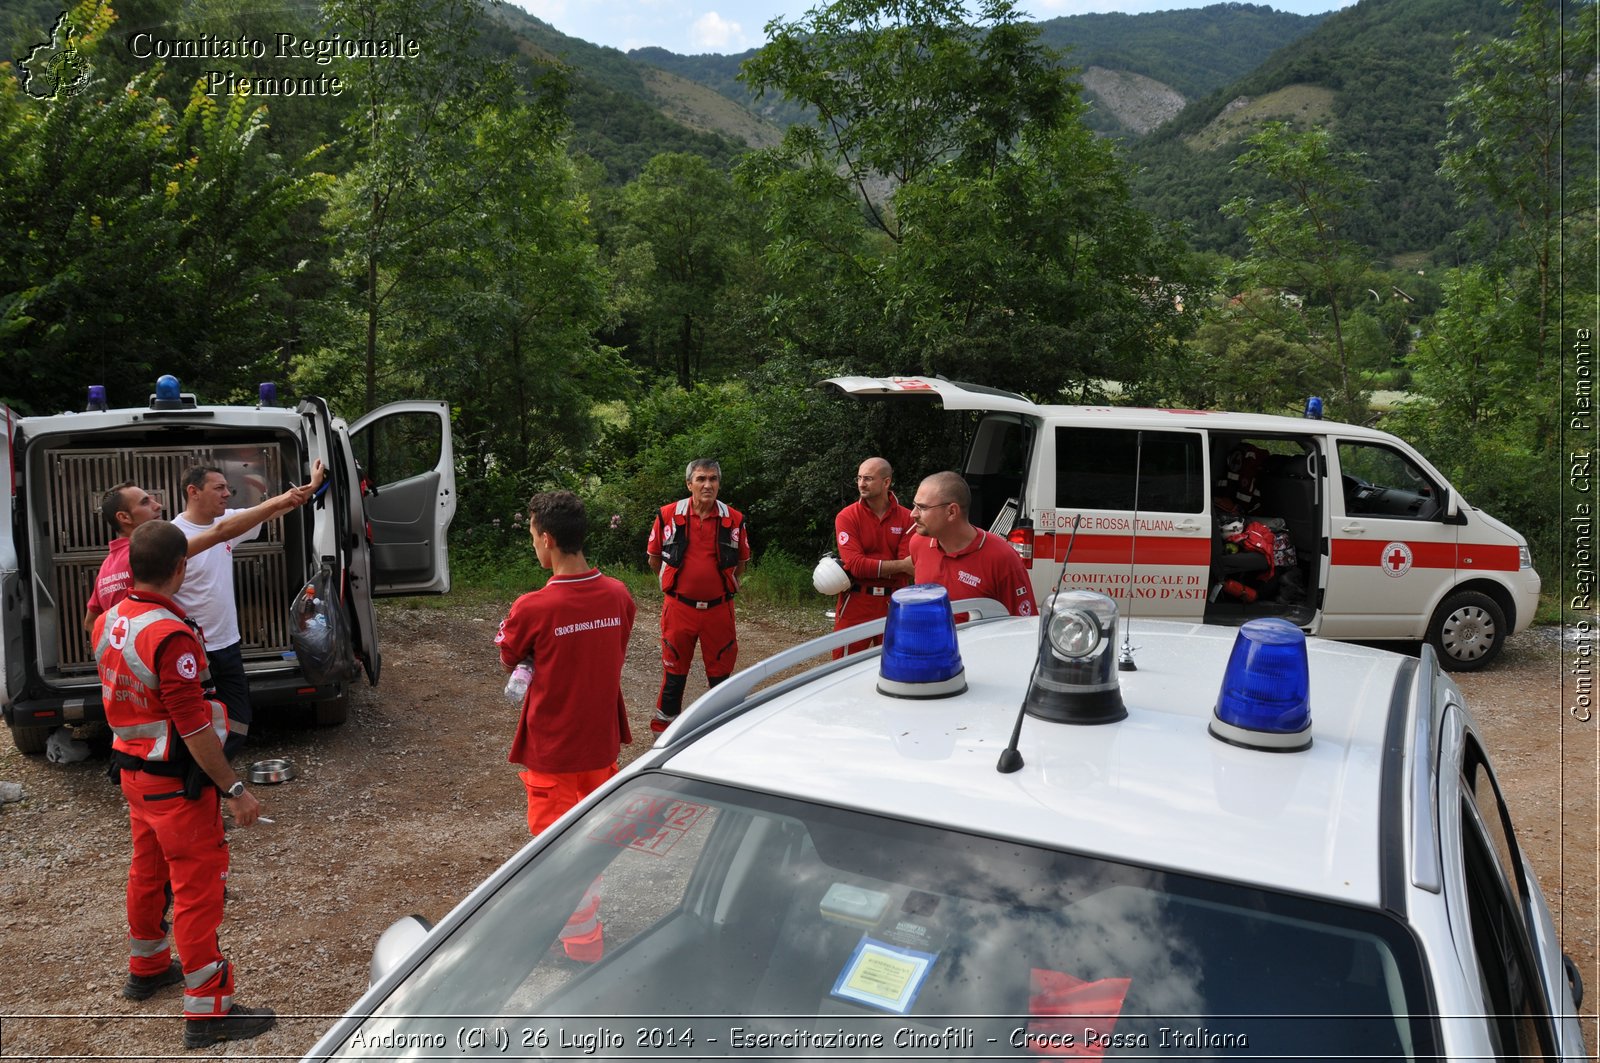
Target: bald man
(872,532)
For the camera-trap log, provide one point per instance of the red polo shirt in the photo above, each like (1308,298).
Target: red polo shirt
(576,630)
(866,540)
(115,578)
(988,568)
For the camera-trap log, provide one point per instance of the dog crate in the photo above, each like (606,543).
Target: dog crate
(76,480)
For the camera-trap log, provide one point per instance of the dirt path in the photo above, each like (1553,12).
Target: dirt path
(411,803)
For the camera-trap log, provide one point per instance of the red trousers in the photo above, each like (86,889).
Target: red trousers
(858,607)
(684,625)
(178,842)
(550,795)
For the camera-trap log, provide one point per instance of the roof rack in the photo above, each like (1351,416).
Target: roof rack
(733,695)
(1426,869)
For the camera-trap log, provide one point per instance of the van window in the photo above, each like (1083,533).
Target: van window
(1095,469)
(1380,481)
(398,447)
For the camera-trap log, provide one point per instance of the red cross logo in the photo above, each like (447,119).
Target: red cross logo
(119,632)
(1395,559)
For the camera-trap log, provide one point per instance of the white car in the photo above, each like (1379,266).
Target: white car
(998,842)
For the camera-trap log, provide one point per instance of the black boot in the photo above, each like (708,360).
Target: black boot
(240,1024)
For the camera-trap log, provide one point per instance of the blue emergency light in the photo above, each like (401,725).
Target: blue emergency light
(1265,701)
(1314,408)
(167,388)
(97,397)
(920,657)
(267,393)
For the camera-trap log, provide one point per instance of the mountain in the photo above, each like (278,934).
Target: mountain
(1378,74)
(1136,70)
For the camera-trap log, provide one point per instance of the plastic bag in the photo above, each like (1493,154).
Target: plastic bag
(320,632)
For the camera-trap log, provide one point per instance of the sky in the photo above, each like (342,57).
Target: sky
(694,27)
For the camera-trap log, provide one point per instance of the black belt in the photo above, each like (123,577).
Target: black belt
(872,592)
(165,768)
(696,602)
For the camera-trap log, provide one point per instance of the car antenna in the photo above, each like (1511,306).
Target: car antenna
(1125,657)
(1010,756)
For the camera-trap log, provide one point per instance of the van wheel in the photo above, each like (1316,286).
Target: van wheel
(333,713)
(30,739)
(1467,631)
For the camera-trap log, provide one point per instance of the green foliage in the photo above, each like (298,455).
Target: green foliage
(141,238)
(1300,259)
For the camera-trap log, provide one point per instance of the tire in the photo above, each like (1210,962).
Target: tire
(1467,631)
(332,713)
(30,739)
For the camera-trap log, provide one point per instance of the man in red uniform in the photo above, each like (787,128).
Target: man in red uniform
(575,632)
(968,561)
(870,532)
(127,505)
(167,752)
(698,547)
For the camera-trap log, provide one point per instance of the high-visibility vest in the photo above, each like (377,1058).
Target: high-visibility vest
(672,525)
(128,636)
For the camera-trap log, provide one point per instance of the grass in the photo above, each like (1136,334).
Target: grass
(483,575)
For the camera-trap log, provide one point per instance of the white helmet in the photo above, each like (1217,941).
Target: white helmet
(829,577)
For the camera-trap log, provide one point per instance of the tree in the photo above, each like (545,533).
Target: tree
(413,171)
(139,237)
(680,223)
(949,211)
(1303,270)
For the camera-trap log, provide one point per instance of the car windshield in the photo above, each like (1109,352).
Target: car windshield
(745,923)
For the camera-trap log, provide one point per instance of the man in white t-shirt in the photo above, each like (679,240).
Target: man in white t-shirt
(207,591)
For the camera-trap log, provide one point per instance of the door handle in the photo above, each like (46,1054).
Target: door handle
(1186,526)
(1354,529)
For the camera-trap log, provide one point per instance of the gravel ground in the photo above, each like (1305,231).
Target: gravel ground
(411,803)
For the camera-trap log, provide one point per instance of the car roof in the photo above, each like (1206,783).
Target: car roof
(1155,789)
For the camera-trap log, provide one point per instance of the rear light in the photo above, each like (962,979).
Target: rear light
(1021,539)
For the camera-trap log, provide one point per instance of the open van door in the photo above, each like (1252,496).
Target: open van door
(342,539)
(13,662)
(953,394)
(408,466)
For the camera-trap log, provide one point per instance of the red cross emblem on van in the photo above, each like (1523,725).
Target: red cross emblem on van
(1396,559)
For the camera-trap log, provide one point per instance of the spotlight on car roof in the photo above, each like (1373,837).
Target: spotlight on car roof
(1075,680)
(920,657)
(1265,699)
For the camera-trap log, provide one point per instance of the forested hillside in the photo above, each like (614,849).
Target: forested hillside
(487,212)
(1384,71)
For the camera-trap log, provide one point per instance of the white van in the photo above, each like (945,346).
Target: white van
(379,527)
(1383,546)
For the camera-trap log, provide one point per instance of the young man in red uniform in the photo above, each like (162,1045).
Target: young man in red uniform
(167,752)
(698,547)
(575,631)
(968,561)
(872,531)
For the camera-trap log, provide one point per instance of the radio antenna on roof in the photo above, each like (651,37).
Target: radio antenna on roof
(1125,661)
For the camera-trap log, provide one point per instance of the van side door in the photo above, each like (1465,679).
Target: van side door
(340,534)
(1144,527)
(408,464)
(1391,543)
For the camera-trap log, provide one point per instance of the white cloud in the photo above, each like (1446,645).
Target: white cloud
(551,11)
(713,33)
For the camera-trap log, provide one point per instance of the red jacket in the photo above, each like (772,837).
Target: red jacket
(698,554)
(151,671)
(866,540)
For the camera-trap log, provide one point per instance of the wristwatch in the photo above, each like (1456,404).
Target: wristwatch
(236,790)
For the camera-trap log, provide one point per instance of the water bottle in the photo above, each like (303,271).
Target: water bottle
(517,682)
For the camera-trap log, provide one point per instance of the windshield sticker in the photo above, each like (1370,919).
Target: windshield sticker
(884,976)
(649,824)
(1088,1014)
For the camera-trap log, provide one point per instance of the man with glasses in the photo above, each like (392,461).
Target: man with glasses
(872,532)
(969,562)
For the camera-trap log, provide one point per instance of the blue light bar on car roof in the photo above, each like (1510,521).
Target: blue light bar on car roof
(1265,701)
(920,657)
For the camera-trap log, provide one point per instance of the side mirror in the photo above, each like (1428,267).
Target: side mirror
(1452,504)
(394,945)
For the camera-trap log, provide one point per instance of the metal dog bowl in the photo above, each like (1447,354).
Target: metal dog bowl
(272,771)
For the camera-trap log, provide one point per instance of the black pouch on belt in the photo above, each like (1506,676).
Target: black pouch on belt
(195,781)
